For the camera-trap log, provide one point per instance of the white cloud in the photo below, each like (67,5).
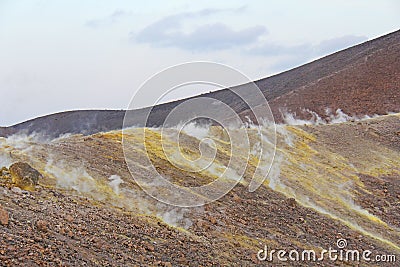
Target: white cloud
(108,20)
(294,55)
(168,32)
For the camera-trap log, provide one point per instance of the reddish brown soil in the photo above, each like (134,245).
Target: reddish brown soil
(370,85)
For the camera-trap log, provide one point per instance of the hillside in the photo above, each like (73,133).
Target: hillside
(325,185)
(361,80)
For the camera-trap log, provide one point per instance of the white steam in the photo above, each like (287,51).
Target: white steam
(75,178)
(114,183)
(19,143)
(198,131)
(331,118)
(174,216)
(177,216)
(5,159)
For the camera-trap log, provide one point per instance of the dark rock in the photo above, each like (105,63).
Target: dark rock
(24,176)
(291,202)
(42,225)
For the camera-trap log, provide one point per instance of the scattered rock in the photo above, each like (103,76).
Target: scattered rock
(99,244)
(213,220)
(150,247)
(199,223)
(42,225)
(24,176)
(291,202)
(16,190)
(3,216)
(254,259)
(182,260)
(236,198)
(4,172)
(69,218)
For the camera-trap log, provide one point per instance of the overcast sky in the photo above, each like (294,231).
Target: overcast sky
(64,55)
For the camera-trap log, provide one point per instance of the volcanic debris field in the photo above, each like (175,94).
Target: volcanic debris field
(327,182)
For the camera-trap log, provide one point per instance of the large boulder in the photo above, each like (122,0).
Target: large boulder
(24,176)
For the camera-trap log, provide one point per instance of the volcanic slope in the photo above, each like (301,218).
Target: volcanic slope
(327,182)
(361,80)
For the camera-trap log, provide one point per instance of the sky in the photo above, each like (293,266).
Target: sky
(66,55)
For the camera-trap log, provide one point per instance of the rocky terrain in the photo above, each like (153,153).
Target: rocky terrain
(328,182)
